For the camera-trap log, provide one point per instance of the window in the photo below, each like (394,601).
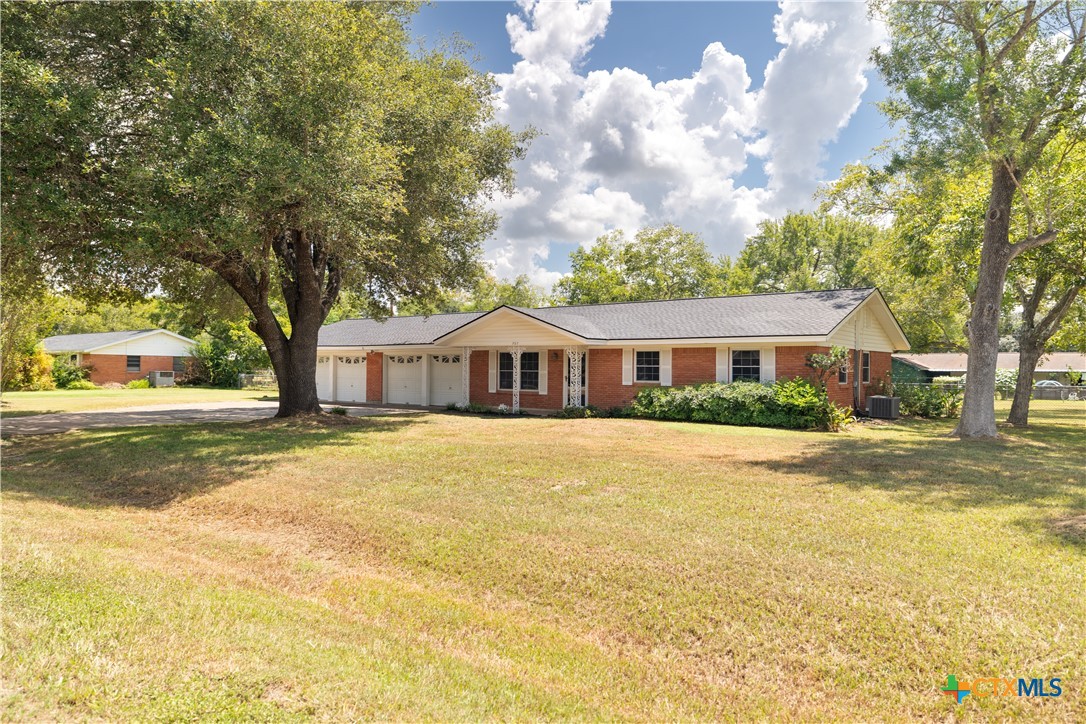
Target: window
(132,363)
(179,365)
(866,367)
(74,359)
(647,367)
(746,365)
(842,374)
(529,371)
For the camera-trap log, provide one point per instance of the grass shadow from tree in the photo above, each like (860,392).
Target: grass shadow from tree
(106,468)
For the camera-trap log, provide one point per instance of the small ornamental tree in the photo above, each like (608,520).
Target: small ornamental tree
(825,364)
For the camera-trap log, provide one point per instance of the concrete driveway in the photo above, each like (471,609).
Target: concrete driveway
(154,415)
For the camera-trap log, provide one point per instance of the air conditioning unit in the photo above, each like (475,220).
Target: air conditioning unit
(161,379)
(884,407)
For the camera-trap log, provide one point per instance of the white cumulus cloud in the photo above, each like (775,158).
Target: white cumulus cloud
(617,151)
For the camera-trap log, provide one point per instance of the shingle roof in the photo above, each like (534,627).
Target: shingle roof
(957,362)
(83,342)
(392,331)
(797,314)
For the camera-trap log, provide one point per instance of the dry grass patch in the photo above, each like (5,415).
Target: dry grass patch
(456,567)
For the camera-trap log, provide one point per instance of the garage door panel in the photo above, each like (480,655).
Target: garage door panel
(445,379)
(324,377)
(350,378)
(405,379)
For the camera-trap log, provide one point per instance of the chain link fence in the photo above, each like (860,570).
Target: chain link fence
(258,381)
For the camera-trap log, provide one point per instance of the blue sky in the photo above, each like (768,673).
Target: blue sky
(655,112)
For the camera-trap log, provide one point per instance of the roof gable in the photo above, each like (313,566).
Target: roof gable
(505,324)
(97,340)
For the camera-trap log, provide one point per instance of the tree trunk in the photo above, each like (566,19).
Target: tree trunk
(296,375)
(978,407)
(1028,357)
(294,360)
(309,281)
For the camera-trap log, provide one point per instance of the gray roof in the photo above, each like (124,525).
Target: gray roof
(797,314)
(958,361)
(392,331)
(83,342)
(756,315)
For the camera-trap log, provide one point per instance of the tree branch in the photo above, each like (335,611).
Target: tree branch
(1033,242)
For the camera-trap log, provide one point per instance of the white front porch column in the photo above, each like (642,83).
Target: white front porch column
(465,376)
(574,355)
(514,352)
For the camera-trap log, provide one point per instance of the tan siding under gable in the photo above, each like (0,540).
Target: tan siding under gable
(503,328)
(158,344)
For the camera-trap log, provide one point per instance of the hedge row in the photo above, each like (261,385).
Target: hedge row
(795,404)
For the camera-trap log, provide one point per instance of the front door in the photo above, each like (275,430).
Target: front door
(584,378)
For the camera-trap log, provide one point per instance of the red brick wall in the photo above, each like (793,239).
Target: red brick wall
(605,388)
(792,362)
(113,367)
(529,399)
(375,372)
(693,365)
(880,373)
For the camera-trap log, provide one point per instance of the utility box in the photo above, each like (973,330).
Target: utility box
(162,378)
(883,407)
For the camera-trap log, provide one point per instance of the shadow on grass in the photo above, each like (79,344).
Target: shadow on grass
(1041,468)
(151,467)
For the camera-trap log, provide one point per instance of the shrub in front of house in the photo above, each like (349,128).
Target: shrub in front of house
(65,374)
(929,400)
(139,385)
(795,404)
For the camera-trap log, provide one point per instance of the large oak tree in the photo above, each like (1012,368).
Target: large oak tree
(993,83)
(294,149)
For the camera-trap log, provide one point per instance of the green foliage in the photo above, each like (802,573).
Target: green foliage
(805,251)
(25,318)
(224,353)
(33,371)
(787,403)
(824,364)
(139,385)
(1074,377)
(931,401)
(294,149)
(573,412)
(65,374)
(658,263)
(487,293)
(339,411)
(75,316)
(87,385)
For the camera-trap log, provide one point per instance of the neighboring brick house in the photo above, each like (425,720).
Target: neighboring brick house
(123,356)
(524,357)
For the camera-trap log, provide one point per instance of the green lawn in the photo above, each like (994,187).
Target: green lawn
(19,404)
(455,567)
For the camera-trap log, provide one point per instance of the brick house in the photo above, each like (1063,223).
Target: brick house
(602,354)
(123,356)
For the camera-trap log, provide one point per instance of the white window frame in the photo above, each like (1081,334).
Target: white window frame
(732,365)
(538,370)
(659,366)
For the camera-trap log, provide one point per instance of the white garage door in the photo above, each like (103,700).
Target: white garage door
(351,378)
(445,380)
(324,377)
(405,379)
